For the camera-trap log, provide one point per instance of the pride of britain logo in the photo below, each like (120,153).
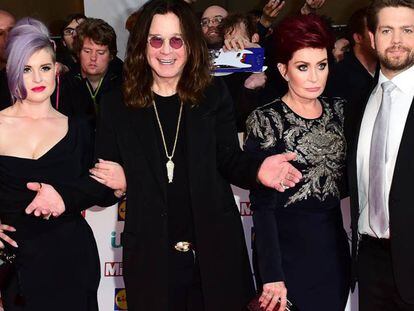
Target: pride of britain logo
(121,210)
(245,209)
(120,302)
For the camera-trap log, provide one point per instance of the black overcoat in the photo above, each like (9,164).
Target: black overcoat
(128,136)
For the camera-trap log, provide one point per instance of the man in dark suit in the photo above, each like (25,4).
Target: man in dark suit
(381,165)
(355,72)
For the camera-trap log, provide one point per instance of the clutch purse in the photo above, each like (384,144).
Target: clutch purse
(254,305)
(7,259)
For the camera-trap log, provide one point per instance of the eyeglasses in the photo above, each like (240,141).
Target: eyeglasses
(69,31)
(215,21)
(156,42)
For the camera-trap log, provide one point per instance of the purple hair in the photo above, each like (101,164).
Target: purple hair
(26,38)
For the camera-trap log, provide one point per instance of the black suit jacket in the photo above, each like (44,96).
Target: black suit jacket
(350,80)
(401,208)
(128,136)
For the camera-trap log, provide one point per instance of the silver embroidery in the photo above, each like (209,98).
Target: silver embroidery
(319,145)
(259,125)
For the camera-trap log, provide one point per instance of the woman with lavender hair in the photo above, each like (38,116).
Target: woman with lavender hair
(57,263)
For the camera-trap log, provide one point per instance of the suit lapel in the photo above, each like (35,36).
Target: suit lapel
(403,165)
(196,140)
(143,122)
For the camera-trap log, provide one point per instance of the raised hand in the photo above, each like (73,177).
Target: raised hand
(270,11)
(315,4)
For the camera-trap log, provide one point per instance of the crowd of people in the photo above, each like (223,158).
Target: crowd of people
(80,127)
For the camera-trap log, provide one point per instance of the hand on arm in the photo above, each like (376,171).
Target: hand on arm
(276,172)
(270,11)
(110,174)
(5,237)
(271,294)
(46,202)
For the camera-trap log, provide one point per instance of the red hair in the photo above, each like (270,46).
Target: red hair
(299,32)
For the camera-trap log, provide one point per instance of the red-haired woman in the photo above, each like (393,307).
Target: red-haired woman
(302,248)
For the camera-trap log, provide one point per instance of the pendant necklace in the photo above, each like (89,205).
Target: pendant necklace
(170,164)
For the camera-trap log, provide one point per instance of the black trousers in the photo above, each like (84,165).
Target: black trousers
(185,292)
(376,284)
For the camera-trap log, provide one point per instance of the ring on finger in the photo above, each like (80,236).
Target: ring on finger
(283,185)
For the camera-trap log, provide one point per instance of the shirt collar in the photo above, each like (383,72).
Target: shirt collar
(403,81)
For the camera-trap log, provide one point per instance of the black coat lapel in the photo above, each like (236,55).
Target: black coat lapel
(401,182)
(143,122)
(197,139)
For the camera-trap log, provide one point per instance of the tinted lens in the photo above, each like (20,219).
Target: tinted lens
(176,42)
(156,42)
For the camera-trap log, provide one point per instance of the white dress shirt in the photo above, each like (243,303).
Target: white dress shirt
(401,99)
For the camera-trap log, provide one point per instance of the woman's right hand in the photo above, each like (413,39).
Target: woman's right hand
(271,294)
(5,237)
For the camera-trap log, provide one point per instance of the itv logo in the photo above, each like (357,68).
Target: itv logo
(115,240)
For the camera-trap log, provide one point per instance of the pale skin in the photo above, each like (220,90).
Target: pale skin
(393,40)
(275,171)
(210,31)
(30,127)
(306,74)
(239,39)
(94,60)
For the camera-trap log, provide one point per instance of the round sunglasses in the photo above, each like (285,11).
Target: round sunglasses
(156,42)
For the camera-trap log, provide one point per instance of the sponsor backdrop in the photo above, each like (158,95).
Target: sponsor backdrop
(108,223)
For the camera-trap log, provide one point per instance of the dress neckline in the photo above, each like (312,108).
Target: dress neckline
(303,118)
(60,141)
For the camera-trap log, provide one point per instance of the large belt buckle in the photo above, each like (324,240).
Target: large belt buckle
(182,246)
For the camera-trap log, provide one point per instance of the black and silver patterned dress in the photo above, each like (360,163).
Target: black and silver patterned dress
(299,235)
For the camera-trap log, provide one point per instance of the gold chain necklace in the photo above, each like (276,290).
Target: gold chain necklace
(170,163)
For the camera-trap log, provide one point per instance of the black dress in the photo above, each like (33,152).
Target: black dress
(299,235)
(57,260)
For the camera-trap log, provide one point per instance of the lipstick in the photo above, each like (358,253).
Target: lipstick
(38,89)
